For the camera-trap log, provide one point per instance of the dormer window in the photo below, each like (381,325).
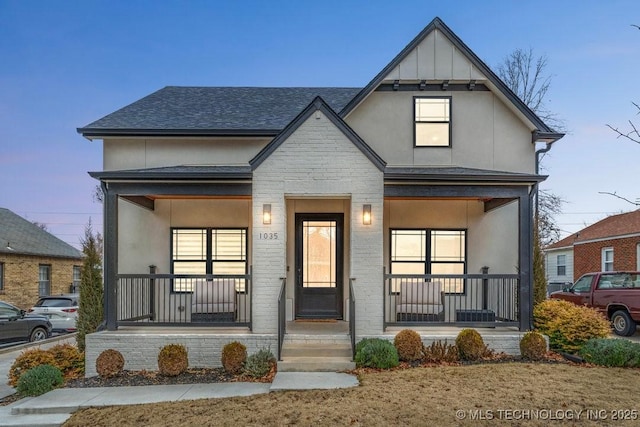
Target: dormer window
(432,121)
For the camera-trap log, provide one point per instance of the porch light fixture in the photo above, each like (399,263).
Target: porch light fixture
(366,214)
(266,214)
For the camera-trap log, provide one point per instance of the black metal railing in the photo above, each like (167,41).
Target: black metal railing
(473,300)
(177,299)
(352,318)
(282,316)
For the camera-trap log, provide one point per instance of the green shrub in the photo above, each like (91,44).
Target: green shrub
(39,380)
(533,346)
(109,363)
(376,353)
(173,360)
(409,345)
(611,352)
(567,325)
(234,355)
(471,345)
(259,364)
(440,352)
(27,360)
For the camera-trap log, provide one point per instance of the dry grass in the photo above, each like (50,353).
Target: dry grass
(412,397)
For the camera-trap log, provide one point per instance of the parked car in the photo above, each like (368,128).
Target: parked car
(614,294)
(17,325)
(62,311)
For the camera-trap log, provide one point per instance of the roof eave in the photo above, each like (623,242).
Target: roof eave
(96,133)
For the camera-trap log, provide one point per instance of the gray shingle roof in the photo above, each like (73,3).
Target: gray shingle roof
(26,238)
(211,110)
(451,173)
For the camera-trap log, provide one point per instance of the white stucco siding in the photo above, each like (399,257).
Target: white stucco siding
(317,161)
(138,153)
(485,133)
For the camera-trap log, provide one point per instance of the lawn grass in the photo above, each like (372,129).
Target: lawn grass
(536,394)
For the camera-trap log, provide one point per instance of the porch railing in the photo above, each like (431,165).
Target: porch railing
(352,317)
(473,300)
(180,300)
(282,316)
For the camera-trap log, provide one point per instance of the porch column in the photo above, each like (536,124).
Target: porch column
(525,259)
(110,257)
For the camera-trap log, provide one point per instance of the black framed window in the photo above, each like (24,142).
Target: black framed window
(432,118)
(1,276)
(218,251)
(429,251)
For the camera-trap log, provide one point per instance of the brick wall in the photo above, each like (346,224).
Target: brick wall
(318,161)
(21,274)
(587,257)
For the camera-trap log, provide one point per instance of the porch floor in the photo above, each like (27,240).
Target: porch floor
(303,327)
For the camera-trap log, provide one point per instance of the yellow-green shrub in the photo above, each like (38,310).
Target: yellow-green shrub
(69,360)
(470,345)
(567,325)
(533,346)
(409,345)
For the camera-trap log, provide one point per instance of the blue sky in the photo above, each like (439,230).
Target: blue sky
(65,64)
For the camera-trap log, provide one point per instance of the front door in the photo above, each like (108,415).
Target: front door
(319,266)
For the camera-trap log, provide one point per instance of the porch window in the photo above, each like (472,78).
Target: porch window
(561,265)
(44,280)
(427,251)
(218,251)
(432,122)
(607,259)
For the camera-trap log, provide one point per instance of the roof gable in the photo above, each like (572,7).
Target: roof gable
(451,59)
(21,237)
(318,104)
(612,227)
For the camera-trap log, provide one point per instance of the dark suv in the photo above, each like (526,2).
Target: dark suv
(16,325)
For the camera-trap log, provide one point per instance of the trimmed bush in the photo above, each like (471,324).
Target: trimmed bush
(39,380)
(409,345)
(376,353)
(611,352)
(439,352)
(234,355)
(173,360)
(470,345)
(533,346)
(259,364)
(567,325)
(109,363)
(69,360)
(27,360)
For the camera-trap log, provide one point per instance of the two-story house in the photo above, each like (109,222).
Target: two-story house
(405,203)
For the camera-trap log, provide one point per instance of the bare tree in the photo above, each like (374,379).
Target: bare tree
(41,225)
(525,74)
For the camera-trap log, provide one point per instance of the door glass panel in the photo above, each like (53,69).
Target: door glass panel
(319,254)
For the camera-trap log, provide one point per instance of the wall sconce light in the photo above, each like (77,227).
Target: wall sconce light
(266,214)
(366,214)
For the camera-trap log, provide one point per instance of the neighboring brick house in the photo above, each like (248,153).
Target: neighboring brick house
(612,244)
(376,207)
(33,262)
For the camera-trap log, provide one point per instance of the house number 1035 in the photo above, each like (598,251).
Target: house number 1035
(268,236)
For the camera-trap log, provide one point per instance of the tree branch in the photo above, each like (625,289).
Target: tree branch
(636,203)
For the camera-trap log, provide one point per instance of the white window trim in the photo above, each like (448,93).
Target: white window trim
(603,258)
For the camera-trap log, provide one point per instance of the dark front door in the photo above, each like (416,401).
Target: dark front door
(319,265)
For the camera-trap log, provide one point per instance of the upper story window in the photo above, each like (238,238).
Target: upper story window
(607,259)
(562,265)
(217,251)
(432,122)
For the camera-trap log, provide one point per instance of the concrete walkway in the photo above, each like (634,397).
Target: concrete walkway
(55,407)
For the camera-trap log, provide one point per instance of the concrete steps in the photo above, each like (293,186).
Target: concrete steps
(327,354)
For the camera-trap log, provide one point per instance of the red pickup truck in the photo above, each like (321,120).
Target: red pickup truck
(615,294)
